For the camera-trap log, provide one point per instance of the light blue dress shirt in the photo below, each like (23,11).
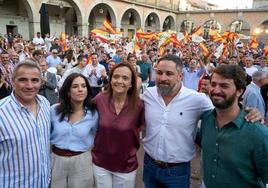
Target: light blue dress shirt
(253,98)
(53,62)
(191,79)
(78,136)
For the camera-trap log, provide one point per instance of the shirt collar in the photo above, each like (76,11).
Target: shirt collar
(19,105)
(238,121)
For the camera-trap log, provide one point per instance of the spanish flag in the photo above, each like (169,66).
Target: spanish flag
(146,36)
(215,36)
(204,49)
(63,41)
(198,31)
(89,59)
(253,43)
(187,38)
(99,31)
(265,50)
(109,27)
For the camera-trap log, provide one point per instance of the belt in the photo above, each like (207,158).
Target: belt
(65,152)
(162,164)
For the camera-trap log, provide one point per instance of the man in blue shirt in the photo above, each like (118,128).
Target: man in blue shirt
(53,60)
(191,74)
(25,131)
(252,96)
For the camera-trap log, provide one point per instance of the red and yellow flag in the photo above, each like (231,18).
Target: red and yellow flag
(146,36)
(109,26)
(265,50)
(253,43)
(204,49)
(198,31)
(63,41)
(187,38)
(89,59)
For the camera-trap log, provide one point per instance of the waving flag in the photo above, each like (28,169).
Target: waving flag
(265,50)
(204,49)
(198,31)
(109,27)
(253,42)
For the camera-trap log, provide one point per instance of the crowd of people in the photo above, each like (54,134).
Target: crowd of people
(72,111)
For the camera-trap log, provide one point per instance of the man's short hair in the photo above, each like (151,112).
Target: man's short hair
(37,52)
(258,75)
(27,63)
(233,72)
(94,53)
(173,58)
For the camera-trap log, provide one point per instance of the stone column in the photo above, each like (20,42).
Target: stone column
(82,29)
(34,27)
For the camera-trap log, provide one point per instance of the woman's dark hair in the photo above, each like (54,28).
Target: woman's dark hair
(132,92)
(65,107)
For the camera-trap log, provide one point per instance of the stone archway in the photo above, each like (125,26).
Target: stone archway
(152,23)
(169,24)
(16,18)
(211,24)
(99,13)
(65,16)
(187,26)
(130,22)
(261,31)
(240,26)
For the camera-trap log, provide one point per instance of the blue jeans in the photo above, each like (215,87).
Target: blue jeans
(172,177)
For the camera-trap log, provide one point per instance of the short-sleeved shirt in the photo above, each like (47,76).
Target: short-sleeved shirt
(117,139)
(235,156)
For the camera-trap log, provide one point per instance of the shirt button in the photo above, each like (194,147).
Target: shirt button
(215,160)
(217,144)
(213,176)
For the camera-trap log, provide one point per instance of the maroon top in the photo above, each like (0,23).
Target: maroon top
(117,139)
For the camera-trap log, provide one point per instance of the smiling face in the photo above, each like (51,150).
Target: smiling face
(223,92)
(78,90)
(26,83)
(121,80)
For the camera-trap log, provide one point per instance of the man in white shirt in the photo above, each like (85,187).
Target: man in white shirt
(94,72)
(48,41)
(79,68)
(250,68)
(171,114)
(38,41)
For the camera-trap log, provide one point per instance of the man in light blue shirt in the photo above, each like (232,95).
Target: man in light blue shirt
(191,74)
(25,131)
(53,60)
(252,96)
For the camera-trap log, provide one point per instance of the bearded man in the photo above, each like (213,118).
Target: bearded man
(235,152)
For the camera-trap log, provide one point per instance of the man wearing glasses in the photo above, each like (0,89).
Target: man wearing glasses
(53,60)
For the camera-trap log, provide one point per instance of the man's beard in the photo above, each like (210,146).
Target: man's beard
(166,90)
(225,103)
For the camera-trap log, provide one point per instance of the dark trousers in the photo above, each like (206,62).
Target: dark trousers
(171,177)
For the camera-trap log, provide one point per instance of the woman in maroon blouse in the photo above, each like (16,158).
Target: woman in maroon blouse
(121,116)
